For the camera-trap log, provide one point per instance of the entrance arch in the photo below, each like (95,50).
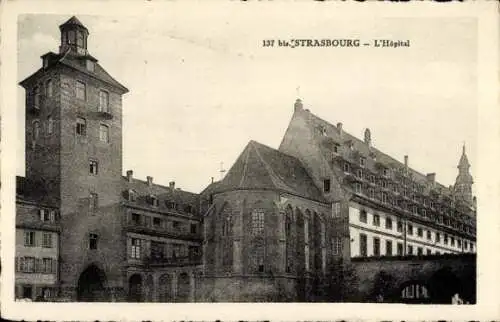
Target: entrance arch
(443,285)
(92,285)
(135,288)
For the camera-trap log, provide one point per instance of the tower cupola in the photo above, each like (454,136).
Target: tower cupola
(73,37)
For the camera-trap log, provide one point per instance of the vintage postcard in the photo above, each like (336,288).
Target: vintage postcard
(230,160)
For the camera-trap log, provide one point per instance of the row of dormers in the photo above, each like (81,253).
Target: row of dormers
(153,200)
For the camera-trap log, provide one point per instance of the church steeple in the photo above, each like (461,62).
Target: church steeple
(73,37)
(464,181)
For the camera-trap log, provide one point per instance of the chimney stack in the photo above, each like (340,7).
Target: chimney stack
(431,177)
(406,161)
(212,179)
(171,185)
(130,175)
(368,137)
(150,181)
(339,128)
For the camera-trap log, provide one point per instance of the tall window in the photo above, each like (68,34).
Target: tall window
(49,90)
(104,133)
(36,102)
(363,250)
(363,217)
(410,250)
(376,246)
(81,126)
(258,257)
(36,130)
(93,239)
(71,37)
(420,232)
(388,223)
(257,222)
(359,173)
(376,220)
(93,201)
(438,237)
(103,101)
(384,197)
(388,247)
(410,229)
(80,90)
(347,167)
(357,187)
(400,226)
(47,265)
(336,245)
(362,162)
(420,251)
(47,240)
(400,249)
(93,167)
(288,242)
(429,235)
(326,185)
(135,250)
(50,125)
(29,238)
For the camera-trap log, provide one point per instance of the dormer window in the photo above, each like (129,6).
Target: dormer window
(362,161)
(132,196)
(153,200)
(385,172)
(335,148)
(347,167)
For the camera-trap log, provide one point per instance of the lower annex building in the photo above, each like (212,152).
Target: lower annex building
(271,230)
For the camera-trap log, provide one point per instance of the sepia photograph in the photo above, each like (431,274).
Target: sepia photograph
(184,156)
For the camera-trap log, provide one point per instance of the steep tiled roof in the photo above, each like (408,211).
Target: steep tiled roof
(78,63)
(164,193)
(332,132)
(262,167)
(73,21)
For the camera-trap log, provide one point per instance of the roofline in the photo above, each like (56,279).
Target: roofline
(278,190)
(162,186)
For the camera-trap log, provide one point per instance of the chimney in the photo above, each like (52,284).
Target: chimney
(298,104)
(431,177)
(150,181)
(171,185)
(130,175)
(339,127)
(474,201)
(368,137)
(212,179)
(406,161)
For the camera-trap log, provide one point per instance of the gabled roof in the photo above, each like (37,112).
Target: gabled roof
(262,167)
(78,63)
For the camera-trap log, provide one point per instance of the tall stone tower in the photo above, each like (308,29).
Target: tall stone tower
(464,181)
(74,155)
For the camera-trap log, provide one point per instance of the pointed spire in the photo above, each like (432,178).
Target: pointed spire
(73,21)
(464,161)
(464,181)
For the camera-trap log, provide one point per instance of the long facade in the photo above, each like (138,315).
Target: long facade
(273,229)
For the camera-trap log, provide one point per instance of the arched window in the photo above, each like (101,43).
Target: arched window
(36,130)
(258,222)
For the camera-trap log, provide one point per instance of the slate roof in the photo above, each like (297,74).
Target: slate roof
(261,167)
(369,152)
(73,21)
(163,193)
(78,63)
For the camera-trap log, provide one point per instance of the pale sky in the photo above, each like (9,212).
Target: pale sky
(201,85)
